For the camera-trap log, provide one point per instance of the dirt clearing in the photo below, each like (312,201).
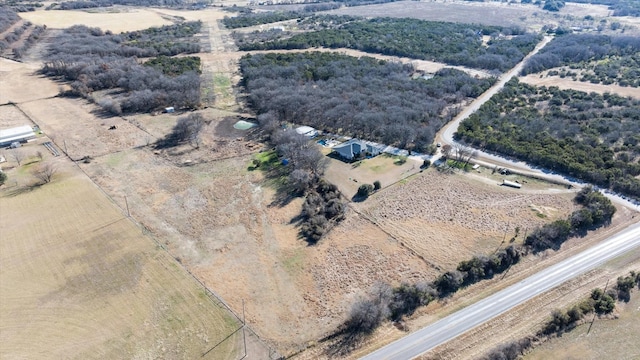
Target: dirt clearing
(568,84)
(79,280)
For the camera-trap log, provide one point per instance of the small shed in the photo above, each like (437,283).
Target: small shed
(169,109)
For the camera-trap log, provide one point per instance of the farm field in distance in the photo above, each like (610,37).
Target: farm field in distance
(205,211)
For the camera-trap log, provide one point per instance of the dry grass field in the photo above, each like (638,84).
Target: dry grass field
(78,124)
(568,83)
(608,339)
(79,280)
(431,211)
(116,19)
(488,13)
(222,222)
(19,83)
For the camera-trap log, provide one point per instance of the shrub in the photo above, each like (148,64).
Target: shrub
(364,190)
(377,185)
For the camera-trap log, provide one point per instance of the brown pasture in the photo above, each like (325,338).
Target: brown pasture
(80,280)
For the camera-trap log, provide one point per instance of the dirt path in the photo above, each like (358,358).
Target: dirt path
(11,28)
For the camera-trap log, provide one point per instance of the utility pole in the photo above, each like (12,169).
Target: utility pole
(594,312)
(244,336)
(127,204)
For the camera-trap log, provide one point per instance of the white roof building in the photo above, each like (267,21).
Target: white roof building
(307,131)
(19,134)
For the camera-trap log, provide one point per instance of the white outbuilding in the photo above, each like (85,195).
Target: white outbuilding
(16,134)
(307,131)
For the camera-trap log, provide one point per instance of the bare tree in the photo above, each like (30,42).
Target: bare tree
(45,172)
(18,156)
(463,154)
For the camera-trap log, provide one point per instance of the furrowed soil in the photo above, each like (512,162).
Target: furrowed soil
(79,280)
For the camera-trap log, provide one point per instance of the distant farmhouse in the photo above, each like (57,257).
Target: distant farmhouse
(355,149)
(16,134)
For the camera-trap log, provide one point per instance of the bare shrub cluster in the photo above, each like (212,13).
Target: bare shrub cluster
(92,60)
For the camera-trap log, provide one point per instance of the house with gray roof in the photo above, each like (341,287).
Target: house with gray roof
(354,149)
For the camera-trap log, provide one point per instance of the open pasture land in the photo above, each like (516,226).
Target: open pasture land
(568,84)
(19,83)
(431,211)
(80,281)
(11,117)
(487,13)
(220,220)
(116,19)
(73,122)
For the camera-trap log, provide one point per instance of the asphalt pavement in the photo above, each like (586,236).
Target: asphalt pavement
(466,319)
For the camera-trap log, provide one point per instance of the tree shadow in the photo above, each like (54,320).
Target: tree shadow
(344,343)
(23,189)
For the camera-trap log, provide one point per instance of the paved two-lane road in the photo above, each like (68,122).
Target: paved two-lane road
(466,319)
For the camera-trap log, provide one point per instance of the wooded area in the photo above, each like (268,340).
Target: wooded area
(604,59)
(595,138)
(363,98)
(86,4)
(92,60)
(451,43)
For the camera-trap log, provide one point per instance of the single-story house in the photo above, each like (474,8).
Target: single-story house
(307,131)
(355,148)
(16,134)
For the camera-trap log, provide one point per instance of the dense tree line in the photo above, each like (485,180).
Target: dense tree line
(364,98)
(562,321)
(253,19)
(451,43)
(86,4)
(592,137)
(369,312)
(173,66)
(577,50)
(92,60)
(8,17)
